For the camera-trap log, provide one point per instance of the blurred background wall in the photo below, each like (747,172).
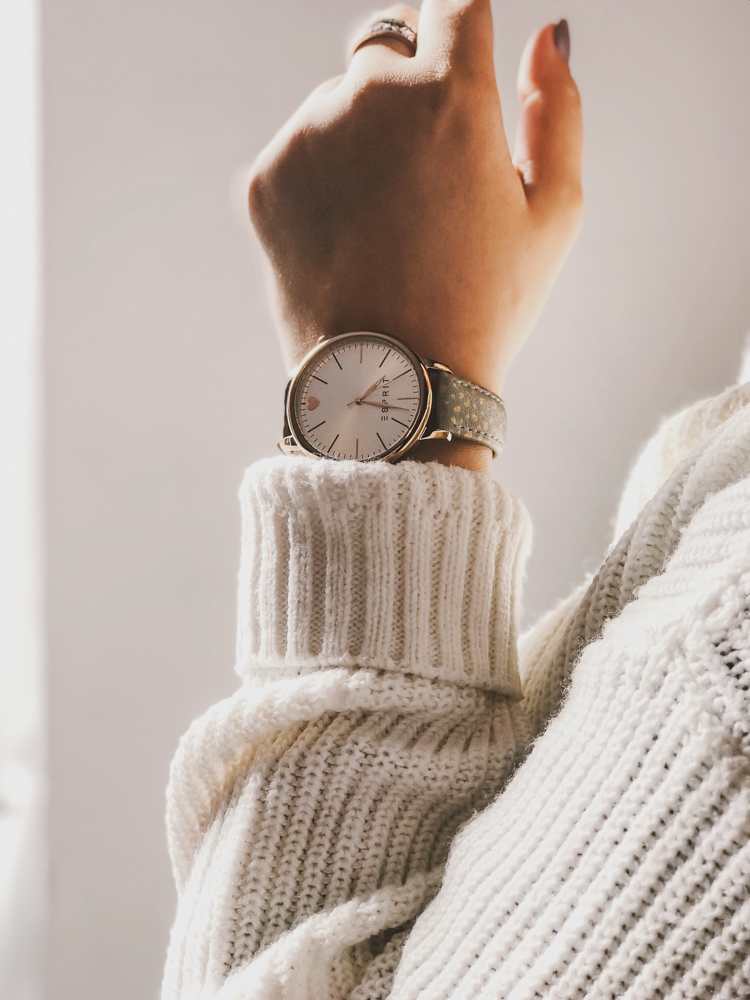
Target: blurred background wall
(159,360)
(22,745)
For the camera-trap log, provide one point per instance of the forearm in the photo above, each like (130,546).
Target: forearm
(379,709)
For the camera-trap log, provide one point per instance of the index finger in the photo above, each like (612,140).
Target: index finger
(458,34)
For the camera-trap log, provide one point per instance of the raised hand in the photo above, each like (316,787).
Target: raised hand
(390,201)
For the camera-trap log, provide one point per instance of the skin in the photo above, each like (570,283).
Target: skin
(390,201)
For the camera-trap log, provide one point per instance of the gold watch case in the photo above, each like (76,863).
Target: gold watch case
(293,441)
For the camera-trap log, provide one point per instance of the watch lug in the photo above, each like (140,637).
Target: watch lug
(437,435)
(289,446)
(438,365)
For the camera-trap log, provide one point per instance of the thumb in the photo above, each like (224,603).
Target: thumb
(549,141)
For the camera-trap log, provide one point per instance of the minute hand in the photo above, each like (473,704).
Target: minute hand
(372,388)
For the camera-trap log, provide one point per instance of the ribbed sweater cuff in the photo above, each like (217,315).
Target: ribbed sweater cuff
(412,567)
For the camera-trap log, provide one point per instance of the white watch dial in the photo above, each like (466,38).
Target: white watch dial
(359,397)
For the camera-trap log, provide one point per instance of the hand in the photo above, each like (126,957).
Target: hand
(390,200)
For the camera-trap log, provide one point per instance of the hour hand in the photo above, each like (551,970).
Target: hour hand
(385,406)
(364,395)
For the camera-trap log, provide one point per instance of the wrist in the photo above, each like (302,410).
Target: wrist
(463,423)
(463,454)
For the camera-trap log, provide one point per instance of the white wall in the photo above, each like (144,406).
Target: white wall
(22,852)
(163,379)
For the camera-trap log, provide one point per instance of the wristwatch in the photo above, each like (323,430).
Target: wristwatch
(366,396)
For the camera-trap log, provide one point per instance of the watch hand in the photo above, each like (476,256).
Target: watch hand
(364,395)
(370,402)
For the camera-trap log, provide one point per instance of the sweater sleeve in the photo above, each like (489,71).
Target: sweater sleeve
(310,815)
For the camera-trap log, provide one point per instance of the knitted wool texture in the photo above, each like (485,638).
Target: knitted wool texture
(698,460)
(311,815)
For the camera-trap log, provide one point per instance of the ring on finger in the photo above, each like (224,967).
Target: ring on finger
(389,27)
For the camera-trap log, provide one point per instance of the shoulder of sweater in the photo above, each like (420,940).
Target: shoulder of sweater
(704,508)
(679,550)
(677,437)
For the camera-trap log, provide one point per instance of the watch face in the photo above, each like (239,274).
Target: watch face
(361,396)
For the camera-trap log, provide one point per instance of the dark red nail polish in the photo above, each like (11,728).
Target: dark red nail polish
(562,39)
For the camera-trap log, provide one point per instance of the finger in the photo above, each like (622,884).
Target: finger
(457,34)
(378,50)
(549,142)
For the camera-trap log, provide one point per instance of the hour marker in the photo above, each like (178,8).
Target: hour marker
(320,425)
(360,353)
(313,402)
(402,373)
(321,379)
(337,361)
(356,454)
(407,399)
(386,355)
(332,444)
(385,447)
(400,422)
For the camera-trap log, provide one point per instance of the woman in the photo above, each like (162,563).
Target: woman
(396,803)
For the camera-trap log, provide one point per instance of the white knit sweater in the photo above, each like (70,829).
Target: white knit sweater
(382,706)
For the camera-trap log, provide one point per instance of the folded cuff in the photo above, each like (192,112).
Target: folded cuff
(414,567)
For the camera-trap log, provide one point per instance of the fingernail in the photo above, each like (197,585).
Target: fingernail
(562,39)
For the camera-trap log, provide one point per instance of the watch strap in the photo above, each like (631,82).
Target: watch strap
(466,410)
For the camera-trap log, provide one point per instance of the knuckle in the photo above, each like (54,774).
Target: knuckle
(256,193)
(273,174)
(415,100)
(370,93)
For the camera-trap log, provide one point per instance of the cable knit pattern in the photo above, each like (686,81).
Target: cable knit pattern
(617,862)
(717,431)
(311,815)
(548,651)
